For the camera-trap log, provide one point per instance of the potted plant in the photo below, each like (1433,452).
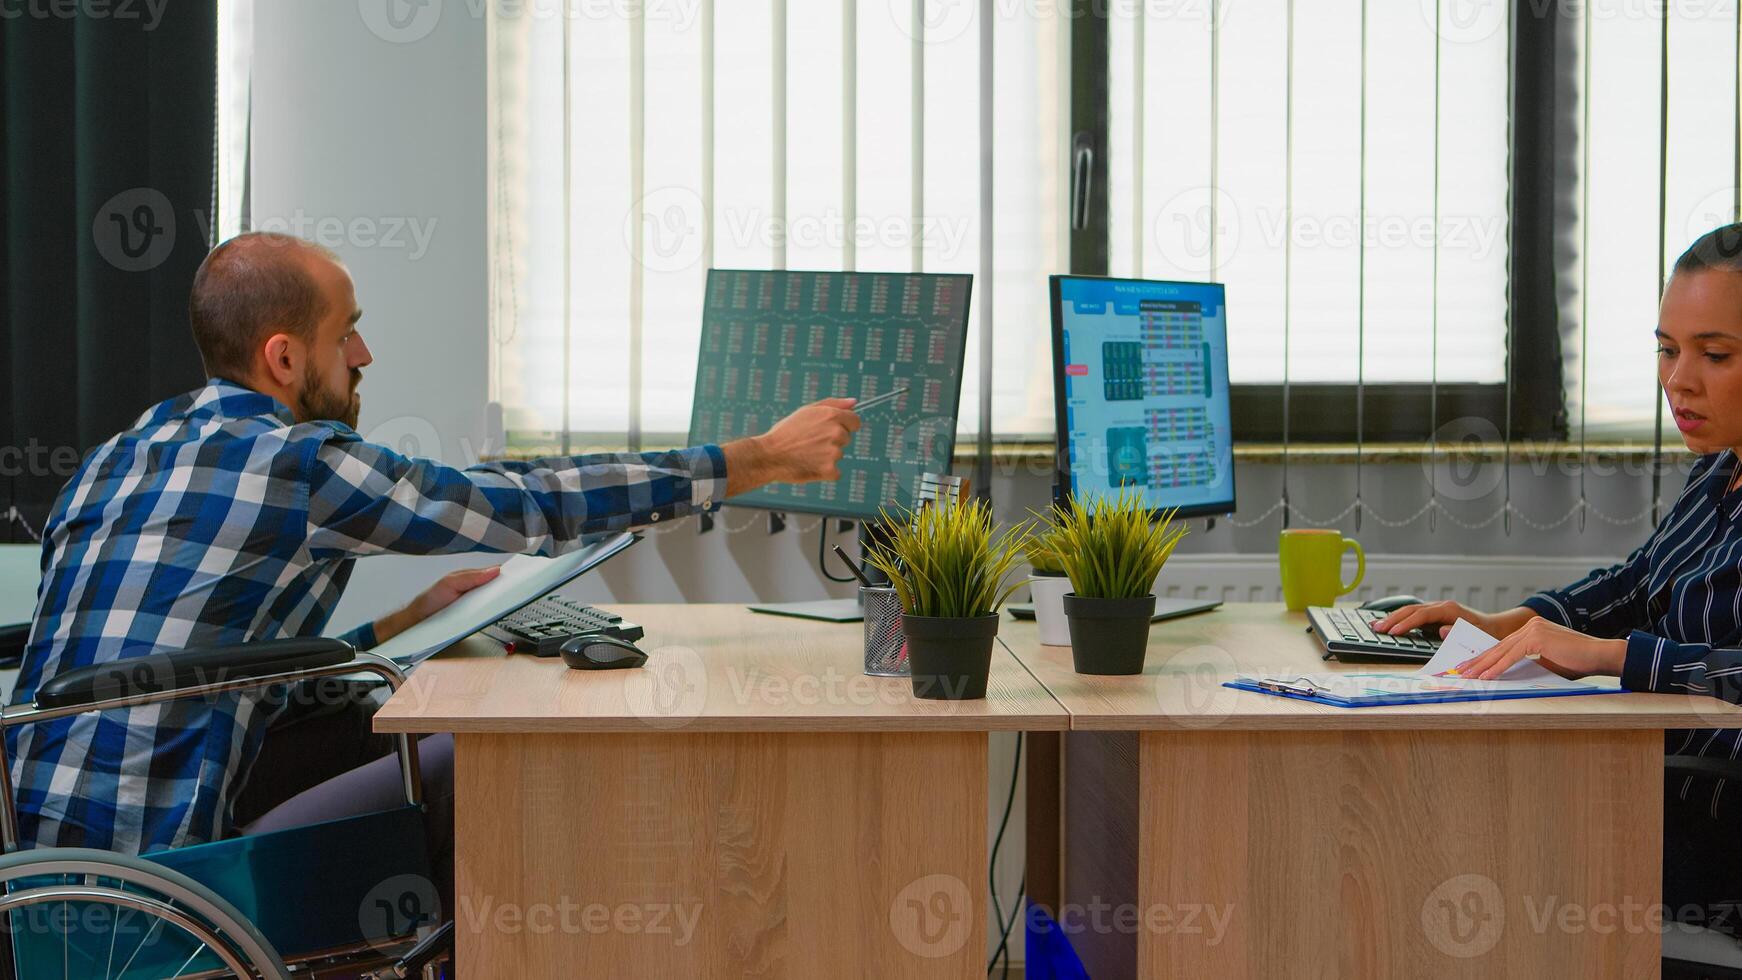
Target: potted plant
(949,570)
(1112,550)
(1048,583)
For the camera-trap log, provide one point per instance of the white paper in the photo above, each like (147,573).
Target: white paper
(524,578)
(1467,640)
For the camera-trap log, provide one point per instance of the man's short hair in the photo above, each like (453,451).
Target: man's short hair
(253,283)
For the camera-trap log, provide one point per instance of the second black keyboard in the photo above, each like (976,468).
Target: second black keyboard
(544,626)
(1347,635)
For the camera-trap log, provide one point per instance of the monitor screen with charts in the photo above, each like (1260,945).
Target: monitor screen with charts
(775,341)
(1140,375)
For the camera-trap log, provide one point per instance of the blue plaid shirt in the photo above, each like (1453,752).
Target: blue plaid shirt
(218,519)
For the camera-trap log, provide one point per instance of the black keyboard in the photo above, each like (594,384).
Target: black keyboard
(544,626)
(1348,636)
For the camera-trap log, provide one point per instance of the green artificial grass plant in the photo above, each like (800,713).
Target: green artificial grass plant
(944,560)
(1041,556)
(1111,548)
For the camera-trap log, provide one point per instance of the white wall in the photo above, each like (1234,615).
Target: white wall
(376,149)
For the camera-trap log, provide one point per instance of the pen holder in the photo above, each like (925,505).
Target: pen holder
(885,644)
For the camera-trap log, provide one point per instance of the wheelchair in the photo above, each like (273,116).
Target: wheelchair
(353,896)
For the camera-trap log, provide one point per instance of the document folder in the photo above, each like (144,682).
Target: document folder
(1376,690)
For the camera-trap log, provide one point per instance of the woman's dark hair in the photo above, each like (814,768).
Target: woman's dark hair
(1720,249)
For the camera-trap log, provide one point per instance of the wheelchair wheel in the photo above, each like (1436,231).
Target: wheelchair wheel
(76,912)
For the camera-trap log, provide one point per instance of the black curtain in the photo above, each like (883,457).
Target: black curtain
(108,135)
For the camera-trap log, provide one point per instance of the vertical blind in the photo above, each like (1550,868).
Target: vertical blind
(829,134)
(1340,165)
(1658,167)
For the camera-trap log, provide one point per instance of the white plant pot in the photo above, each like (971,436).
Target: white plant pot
(1048,594)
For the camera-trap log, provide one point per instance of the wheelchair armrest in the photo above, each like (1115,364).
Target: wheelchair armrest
(12,641)
(189,670)
(1701,765)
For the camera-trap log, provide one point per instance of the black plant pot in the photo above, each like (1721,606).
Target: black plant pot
(1108,636)
(948,657)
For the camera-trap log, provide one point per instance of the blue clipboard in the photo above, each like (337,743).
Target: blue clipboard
(1309,693)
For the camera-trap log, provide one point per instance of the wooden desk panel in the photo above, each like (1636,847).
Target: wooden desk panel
(1375,854)
(788,855)
(711,668)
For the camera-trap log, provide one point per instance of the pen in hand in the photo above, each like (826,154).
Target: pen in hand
(880,399)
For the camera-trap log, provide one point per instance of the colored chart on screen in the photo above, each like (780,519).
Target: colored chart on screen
(773,342)
(1144,390)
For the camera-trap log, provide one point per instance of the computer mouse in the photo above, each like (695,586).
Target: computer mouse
(601,653)
(1390,603)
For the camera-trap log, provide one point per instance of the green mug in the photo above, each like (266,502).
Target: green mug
(1312,566)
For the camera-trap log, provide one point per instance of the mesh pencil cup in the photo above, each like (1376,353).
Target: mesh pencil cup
(885,645)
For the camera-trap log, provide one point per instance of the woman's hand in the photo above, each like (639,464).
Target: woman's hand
(1568,653)
(1430,617)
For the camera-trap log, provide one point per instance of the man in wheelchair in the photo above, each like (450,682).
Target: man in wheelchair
(234,514)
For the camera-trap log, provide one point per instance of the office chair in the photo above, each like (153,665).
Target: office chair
(349,894)
(1693,952)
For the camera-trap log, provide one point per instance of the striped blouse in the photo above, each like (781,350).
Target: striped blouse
(1677,600)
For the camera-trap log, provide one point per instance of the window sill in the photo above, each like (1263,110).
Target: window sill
(1038,456)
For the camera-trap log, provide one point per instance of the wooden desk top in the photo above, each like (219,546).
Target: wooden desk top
(1189,658)
(711,668)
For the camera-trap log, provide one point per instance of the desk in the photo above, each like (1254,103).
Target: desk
(750,803)
(1275,837)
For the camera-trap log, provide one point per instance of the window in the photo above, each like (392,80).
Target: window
(1385,195)
(1629,152)
(819,135)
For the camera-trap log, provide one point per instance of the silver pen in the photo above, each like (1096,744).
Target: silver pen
(880,399)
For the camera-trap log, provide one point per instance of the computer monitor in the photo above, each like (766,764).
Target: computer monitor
(775,341)
(1140,381)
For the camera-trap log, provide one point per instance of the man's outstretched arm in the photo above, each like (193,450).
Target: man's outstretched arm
(366,499)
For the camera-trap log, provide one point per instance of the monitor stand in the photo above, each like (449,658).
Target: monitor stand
(828,610)
(848,610)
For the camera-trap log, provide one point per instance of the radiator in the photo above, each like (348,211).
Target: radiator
(1480,583)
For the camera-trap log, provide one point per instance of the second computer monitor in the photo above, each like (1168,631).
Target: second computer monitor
(774,341)
(1140,376)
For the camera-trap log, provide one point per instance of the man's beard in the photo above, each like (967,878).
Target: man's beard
(316,403)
